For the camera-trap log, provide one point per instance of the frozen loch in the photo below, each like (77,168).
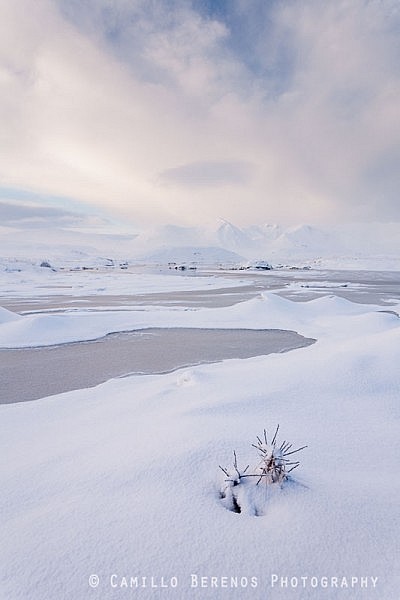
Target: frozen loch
(117,489)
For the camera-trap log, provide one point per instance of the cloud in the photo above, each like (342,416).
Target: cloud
(33,216)
(155,110)
(10,211)
(208,174)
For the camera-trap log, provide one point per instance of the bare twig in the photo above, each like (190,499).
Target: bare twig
(261,476)
(260,449)
(294,451)
(274,438)
(295,467)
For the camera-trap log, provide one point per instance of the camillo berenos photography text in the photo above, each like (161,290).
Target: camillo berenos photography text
(274,580)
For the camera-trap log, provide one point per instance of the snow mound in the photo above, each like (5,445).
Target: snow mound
(7,316)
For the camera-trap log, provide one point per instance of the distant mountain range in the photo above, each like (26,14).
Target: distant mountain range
(221,243)
(274,243)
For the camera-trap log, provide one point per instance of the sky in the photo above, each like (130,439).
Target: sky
(184,111)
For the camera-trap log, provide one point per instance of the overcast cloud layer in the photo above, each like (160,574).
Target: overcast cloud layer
(184,111)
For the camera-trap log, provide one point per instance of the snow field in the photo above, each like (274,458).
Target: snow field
(122,480)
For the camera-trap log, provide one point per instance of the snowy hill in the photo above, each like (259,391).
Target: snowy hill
(357,245)
(66,246)
(196,255)
(235,239)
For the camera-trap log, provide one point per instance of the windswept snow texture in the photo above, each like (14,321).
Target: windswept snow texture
(121,481)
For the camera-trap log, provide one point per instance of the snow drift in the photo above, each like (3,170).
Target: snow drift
(114,491)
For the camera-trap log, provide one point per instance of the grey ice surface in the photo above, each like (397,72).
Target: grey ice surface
(32,373)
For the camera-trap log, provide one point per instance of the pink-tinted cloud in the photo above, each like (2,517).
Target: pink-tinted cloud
(128,106)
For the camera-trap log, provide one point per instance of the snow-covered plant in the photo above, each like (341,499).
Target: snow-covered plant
(273,467)
(275,464)
(234,478)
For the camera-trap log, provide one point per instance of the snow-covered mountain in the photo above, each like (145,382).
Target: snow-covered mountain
(194,255)
(362,245)
(235,239)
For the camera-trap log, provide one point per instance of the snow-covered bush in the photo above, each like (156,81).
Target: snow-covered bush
(248,491)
